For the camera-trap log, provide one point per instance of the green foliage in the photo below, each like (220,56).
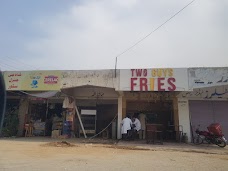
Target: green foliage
(11,122)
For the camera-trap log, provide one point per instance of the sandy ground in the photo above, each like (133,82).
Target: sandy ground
(21,154)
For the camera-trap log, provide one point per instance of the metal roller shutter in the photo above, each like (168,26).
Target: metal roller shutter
(204,113)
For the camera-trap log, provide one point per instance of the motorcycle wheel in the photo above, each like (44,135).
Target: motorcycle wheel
(197,140)
(221,142)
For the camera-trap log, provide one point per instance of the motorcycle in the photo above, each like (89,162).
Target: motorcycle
(212,136)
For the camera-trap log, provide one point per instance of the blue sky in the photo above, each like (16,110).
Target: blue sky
(16,24)
(67,34)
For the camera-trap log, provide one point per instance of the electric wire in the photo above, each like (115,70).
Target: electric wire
(16,61)
(10,66)
(157,28)
(21,65)
(104,128)
(3,68)
(16,66)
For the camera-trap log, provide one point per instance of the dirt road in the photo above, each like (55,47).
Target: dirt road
(23,155)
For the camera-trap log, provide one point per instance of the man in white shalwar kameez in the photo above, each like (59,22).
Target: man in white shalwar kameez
(137,124)
(126,125)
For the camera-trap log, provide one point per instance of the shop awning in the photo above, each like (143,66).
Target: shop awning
(43,94)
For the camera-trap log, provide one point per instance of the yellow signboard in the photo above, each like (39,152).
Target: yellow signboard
(33,80)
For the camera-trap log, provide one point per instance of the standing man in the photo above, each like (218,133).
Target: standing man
(126,125)
(136,123)
(142,119)
(137,126)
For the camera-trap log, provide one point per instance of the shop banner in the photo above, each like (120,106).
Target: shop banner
(166,79)
(32,80)
(207,77)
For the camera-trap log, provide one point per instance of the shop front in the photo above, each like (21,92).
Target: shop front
(177,99)
(207,103)
(153,92)
(97,106)
(95,100)
(36,92)
(43,96)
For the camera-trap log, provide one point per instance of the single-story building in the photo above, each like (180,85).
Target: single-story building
(179,99)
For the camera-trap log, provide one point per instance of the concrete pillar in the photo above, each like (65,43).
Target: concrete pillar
(175,112)
(124,107)
(120,114)
(23,110)
(184,116)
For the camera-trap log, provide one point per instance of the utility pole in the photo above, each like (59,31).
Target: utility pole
(115,66)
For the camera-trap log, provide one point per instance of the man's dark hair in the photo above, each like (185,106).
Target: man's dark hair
(128,116)
(136,115)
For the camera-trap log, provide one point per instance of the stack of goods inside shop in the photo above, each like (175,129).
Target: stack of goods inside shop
(43,118)
(63,126)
